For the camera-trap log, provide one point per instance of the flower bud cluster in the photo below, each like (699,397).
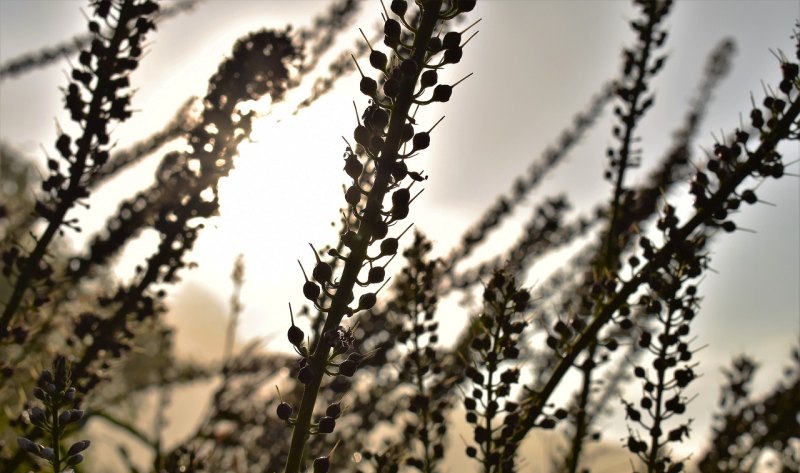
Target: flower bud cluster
(96,97)
(54,390)
(639,66)
(493,373)
(385,135)
(670,308)
(412,312)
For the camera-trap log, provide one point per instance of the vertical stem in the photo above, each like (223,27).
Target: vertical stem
(319,358)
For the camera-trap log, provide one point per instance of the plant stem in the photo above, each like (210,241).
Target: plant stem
(355,261)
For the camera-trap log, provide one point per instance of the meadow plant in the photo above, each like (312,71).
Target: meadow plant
(372,359)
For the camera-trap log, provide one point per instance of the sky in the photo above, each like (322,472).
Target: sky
(535,64)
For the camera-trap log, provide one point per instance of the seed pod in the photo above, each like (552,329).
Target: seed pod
(408,132)
(368,86)
(353,167)
(295,335)
(399,7)
(429,78)
(362,135)
(401,196)
(423,139)
(378,119)
(389,246)
(435,45)
(442,93)
(409,67)
(334,410)
(367,301)
(322,464)
(391,87)
(399,170)
(376,274)
(380,229)
(348,367)
(322,272)
(353,195)
(400,211)
(305,375)
(349,239)
(451,40)
(376,144)
(311,291)
(392,29)
(326,425)
(378,60)
(284,411)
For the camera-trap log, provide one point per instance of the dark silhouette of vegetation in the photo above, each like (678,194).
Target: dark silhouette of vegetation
(75,343)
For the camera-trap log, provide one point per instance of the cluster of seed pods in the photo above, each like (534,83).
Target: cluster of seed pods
(386,139)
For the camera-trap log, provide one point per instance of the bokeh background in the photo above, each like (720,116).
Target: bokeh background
(536,63)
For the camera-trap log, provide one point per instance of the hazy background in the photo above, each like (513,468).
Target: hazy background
(536,64)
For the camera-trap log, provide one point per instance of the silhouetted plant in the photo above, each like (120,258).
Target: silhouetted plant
(374,331)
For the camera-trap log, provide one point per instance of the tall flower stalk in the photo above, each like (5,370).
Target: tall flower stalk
(411,70)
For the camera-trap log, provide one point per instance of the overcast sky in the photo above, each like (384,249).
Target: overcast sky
(536,64)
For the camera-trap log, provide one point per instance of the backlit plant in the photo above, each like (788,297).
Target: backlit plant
(76,344)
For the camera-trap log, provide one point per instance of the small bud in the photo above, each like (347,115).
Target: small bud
(78,447)
(27,446)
